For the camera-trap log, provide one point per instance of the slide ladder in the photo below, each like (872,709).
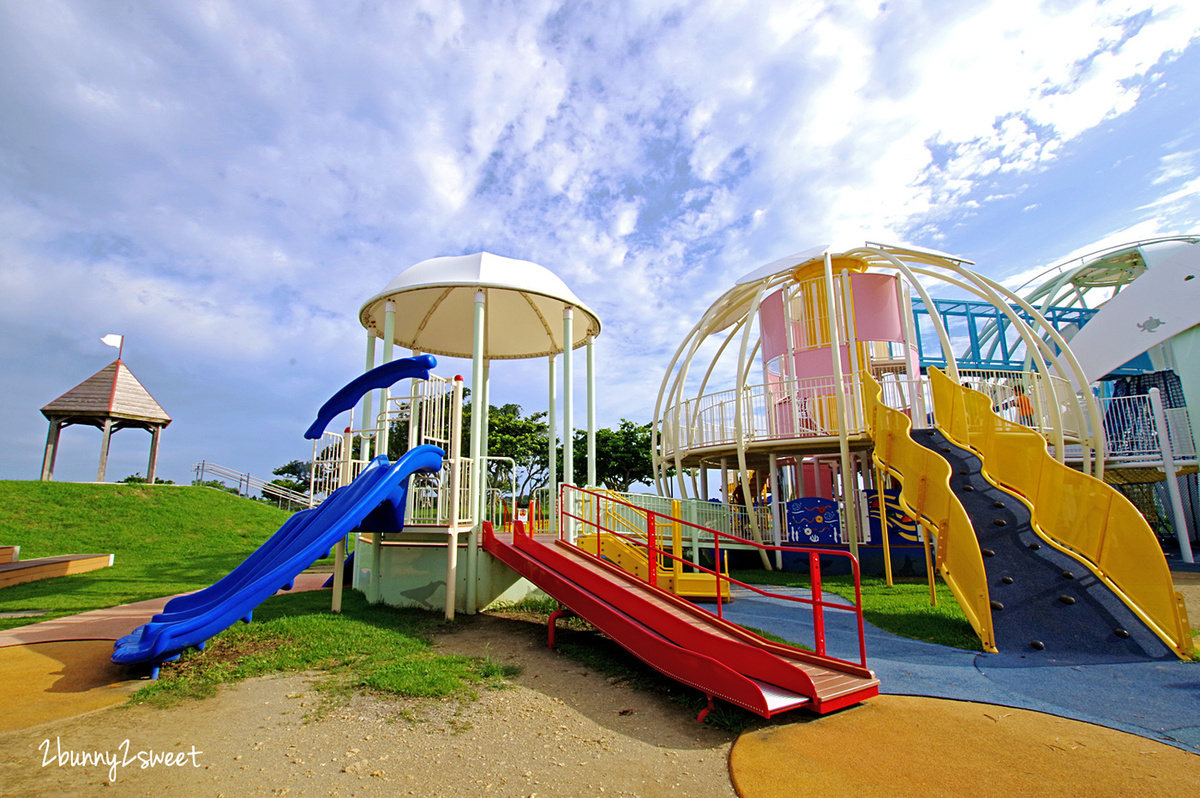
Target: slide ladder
(681,640)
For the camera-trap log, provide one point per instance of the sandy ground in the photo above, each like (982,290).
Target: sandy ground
(560,730)
(564,730)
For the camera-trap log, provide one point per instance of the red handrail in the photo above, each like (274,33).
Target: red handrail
(816,601)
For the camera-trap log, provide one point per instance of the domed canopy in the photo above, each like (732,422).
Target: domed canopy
(435,308)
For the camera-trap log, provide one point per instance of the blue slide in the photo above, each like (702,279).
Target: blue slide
(307,536)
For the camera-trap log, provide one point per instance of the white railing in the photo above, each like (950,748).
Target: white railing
(248,485)
(783,410)
(1132,437)
(1005,388)
(328,461)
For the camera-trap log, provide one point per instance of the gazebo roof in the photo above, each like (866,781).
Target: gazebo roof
(435,307)
(113,392)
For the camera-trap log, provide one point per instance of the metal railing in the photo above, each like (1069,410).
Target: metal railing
(584,511)
(732,520)
(1131,435)
(248,485)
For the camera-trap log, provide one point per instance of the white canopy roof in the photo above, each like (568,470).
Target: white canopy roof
(435,308)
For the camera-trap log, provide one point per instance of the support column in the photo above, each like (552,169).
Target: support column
(389,334)
(591,411)
(152,466)
(552,498)
(486,400)
(52,436)
(455,492)
(568,408)
(478,409)
(777,515)
(368,417)
(104,450)
(850,523)
(1168,457)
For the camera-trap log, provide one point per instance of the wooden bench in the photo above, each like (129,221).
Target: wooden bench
(15,572)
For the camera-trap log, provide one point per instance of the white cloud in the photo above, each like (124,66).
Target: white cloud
(231,180)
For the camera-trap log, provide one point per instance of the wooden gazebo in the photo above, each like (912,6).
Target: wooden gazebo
(111,399)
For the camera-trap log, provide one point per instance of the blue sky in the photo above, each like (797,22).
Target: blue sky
(225,183)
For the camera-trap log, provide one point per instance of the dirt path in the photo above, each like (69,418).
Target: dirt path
(561,730)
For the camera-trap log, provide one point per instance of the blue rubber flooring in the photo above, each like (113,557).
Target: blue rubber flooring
(1155,699)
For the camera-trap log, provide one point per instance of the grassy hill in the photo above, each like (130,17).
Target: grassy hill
(166,539)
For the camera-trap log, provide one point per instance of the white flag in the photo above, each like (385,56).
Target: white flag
(113,340)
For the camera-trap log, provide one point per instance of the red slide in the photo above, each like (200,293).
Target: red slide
(681,640)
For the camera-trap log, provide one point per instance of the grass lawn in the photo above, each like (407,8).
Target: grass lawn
(377,648)
(165,540)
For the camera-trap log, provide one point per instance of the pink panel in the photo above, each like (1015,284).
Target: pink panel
(771,326)
(819,362)
(876,307)
(818,483)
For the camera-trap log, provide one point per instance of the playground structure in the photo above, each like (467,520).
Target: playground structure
(849,406)
(831,358)
(414,519)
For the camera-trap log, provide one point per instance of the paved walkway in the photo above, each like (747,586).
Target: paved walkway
(61,668)
(1159,700)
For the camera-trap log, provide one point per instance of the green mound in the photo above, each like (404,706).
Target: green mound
(165,539)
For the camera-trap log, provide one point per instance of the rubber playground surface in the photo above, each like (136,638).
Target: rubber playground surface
(1097,729)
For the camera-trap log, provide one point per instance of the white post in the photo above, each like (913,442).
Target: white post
(568,409)
(389,333)
(552,498)
(416,411)
(1168,457)
(591,411)
(367,416)
(477,480)
(455,491)
(339,551)
(776,507)
(849,521)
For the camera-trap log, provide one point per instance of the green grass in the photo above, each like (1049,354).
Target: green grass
(902,609)
(377,648)
(165,539)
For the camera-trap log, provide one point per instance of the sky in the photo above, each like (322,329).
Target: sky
(225,183)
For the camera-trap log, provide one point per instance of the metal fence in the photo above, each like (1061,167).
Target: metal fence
(247,485)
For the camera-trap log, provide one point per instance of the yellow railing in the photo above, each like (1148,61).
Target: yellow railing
(925,494)
(1076,513)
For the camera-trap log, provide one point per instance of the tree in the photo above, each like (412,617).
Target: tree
(294,475)
(622,456)
(136,478)
(525,440)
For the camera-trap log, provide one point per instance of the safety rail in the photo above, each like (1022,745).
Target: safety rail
(333,464)
(247,485)
(1072,511)
(926,496)
(1132,436)
(570,522)
(729,519)
(1005,388)
(785,409)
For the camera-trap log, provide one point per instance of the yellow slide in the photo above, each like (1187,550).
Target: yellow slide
(926,496)
(1076,514)
(1079,515)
